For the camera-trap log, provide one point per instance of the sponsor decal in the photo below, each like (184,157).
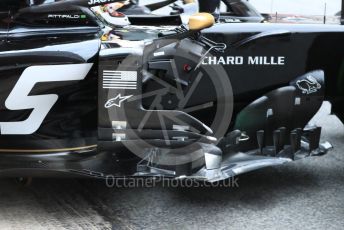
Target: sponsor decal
(250,60)
(117,101)
(157,54)
(94,2)
(119,79)
(232,20)
(309,85)
(66,16)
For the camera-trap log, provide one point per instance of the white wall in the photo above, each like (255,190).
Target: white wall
(306,7)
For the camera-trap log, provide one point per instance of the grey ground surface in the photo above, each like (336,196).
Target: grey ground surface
(308,194)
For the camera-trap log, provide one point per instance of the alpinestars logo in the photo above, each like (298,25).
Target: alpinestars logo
(117,101)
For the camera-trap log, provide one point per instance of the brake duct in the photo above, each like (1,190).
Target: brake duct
(270,131)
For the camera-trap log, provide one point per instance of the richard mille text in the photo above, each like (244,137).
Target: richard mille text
(240,60)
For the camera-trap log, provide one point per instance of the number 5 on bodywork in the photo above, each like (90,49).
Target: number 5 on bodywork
(19,98)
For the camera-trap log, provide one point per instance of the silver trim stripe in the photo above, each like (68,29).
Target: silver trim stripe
(119,79)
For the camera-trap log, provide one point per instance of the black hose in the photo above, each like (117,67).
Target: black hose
(210,6)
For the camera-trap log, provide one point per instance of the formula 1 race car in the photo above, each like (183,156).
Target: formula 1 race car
(207,101)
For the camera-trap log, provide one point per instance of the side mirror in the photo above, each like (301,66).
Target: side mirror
(201,21)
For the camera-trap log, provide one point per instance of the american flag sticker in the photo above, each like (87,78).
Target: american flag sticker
(119,79)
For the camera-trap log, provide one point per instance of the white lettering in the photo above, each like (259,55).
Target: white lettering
(20,98)
(212,61)
(281,60)
(93,2)
(253,60)
(239,60)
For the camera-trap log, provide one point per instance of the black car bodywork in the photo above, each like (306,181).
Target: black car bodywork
(73,105)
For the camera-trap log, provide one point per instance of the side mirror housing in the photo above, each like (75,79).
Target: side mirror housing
(201,21)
